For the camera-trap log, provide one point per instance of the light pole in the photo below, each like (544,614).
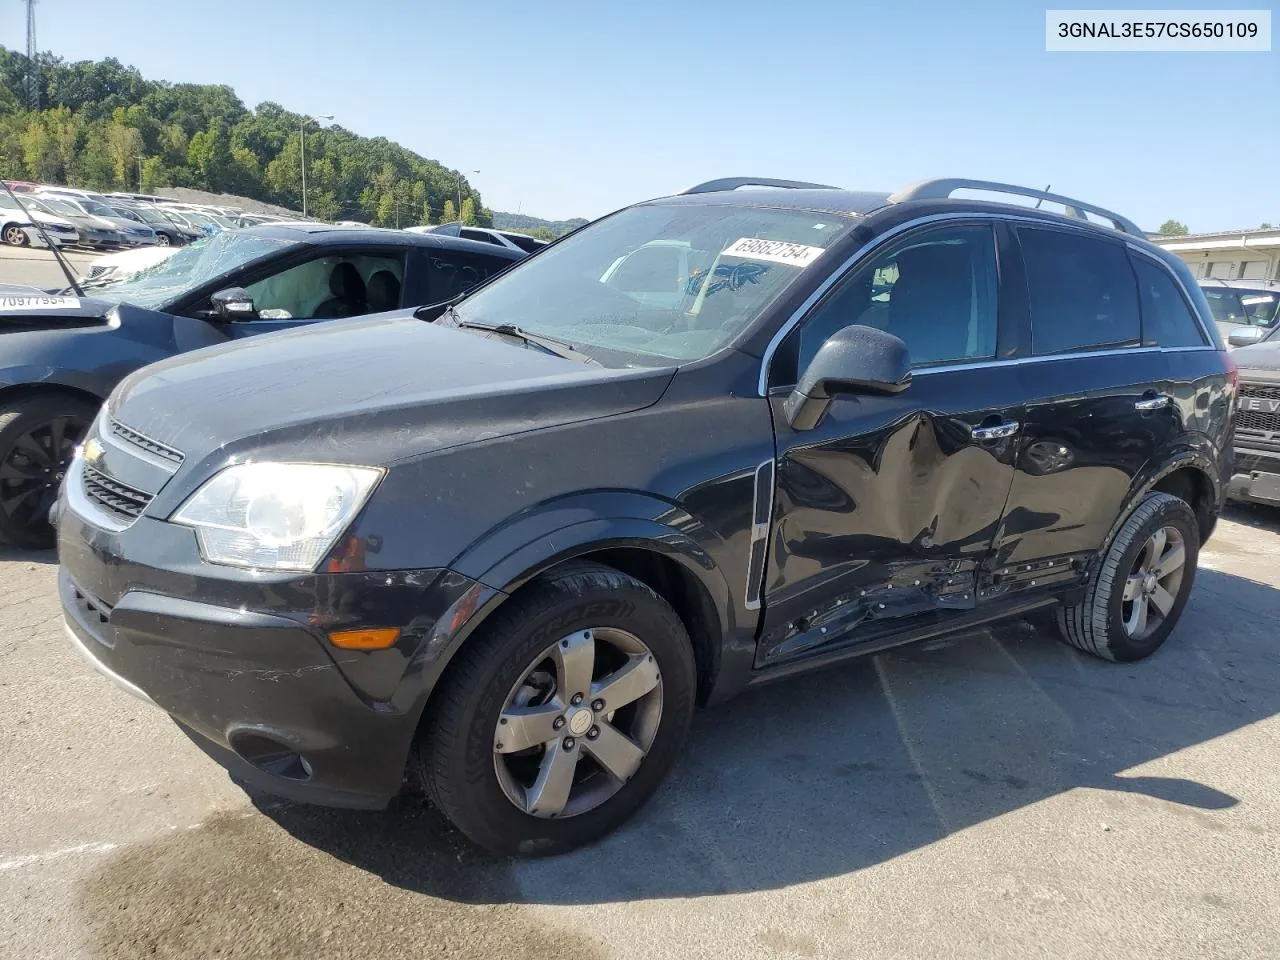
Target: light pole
(460,192)
(302,142)
(140,159)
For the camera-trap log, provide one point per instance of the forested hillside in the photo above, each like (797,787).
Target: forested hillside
(103,126)
(535,226)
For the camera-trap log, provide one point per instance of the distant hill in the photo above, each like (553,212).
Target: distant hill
(526,223)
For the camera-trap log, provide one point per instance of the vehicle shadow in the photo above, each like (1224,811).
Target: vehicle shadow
(12,555)
(827,774)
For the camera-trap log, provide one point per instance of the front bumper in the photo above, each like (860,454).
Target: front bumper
(241,662)
(1257,476)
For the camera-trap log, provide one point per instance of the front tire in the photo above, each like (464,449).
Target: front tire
(561,717)
(38,437)
(15,236)
(162,239)
(1139,589)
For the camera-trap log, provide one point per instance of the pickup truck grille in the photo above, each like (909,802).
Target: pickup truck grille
(1258,408)
(118,499)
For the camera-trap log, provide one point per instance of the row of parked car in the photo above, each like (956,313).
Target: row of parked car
(495,523)
(82,218)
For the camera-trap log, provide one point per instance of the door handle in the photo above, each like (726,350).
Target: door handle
(997,432)
(1147,404)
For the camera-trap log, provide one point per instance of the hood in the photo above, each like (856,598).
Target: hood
(25,308)
(1262,358)
(368,390)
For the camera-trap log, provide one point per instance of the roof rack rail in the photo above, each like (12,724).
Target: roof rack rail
(943,188)
(733,183)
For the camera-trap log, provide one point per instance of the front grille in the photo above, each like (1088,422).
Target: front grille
(154,447)
(118,499)
(1258,421)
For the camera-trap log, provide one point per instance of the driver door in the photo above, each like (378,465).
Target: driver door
(885,511)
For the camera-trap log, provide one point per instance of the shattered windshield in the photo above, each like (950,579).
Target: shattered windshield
(190,267)
(658,282)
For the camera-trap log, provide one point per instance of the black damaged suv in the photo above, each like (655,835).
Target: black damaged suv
(710,440)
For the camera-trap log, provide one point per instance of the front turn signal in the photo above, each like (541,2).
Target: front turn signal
(377,638)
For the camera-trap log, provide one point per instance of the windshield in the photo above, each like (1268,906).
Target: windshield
(99,209)
(1260,307)
(59,206)
(190,267)
(127,214)
(658,282)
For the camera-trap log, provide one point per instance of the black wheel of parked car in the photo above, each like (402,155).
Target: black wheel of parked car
(38,437)
(561,717)
(1138,591)
(15,236)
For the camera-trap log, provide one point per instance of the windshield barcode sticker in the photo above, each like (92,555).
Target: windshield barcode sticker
(39,303)
(775,251)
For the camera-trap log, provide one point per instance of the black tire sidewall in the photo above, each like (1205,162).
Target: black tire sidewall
(485,813)
(1121,646)
(18,420)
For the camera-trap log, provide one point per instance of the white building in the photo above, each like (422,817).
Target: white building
(1230,255)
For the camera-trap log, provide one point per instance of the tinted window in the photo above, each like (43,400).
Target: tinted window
(481,236)
(935,290)
(1261,307)
(1082,292)
(528,244)
(443,274)
(1166,318)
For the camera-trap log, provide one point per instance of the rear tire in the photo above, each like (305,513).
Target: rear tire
(38,437)
(15,236)
(1139,588)
(472,777)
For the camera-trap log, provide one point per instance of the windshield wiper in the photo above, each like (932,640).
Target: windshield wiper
(558,348)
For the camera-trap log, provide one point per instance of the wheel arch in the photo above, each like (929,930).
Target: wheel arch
(1190,474)
(44,388)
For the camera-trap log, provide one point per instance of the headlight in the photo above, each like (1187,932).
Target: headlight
(277,516)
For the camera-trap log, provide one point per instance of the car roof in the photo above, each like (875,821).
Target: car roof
(323,234)
(915,199)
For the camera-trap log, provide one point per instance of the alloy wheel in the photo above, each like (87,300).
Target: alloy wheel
(579,723)
(162,239)
(32,470)
(1152,586)
(15,237)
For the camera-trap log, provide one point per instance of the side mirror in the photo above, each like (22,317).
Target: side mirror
(856,359)
(1245,336)
(233,303)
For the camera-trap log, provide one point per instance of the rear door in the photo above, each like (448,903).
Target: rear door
(884,512)
(1101,401)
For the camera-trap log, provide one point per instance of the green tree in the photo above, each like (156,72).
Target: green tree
(154,175)
(1172,228)
(449,213)
(39,151)
(124,145)
(469,211)
(1265,226)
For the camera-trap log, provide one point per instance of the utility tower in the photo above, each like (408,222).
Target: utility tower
(33,83)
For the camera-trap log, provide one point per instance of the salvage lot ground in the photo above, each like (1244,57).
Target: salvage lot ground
(1000,796)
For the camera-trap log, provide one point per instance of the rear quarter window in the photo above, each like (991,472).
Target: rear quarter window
(1167,320)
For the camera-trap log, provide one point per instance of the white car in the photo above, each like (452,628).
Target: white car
(498,238)
(117,266)
(18,229)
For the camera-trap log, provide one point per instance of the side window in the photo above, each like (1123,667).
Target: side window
(339,285)
(481,236)
(1166,318)
(1082,292)
(1225,305)
(1261,308)
(936,290)
(444,274)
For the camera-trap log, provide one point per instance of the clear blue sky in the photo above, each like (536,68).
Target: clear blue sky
(576,108)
